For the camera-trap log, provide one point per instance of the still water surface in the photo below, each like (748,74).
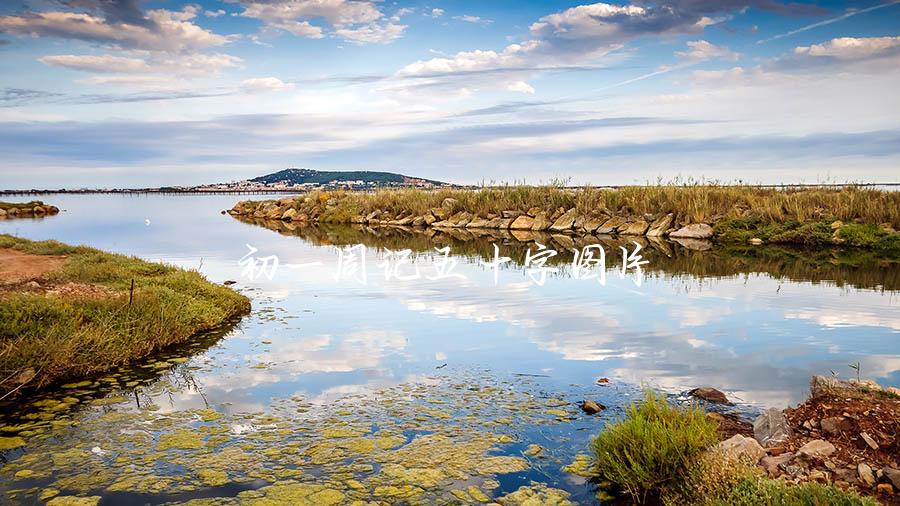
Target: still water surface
(755,327)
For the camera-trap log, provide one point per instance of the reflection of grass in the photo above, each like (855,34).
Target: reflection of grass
(863,268)
(93,327)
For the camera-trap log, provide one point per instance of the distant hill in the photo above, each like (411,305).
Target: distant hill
(310,176)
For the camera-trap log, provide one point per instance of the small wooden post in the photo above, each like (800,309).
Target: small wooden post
(131,293)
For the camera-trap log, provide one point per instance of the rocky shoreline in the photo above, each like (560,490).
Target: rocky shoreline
(32,209)
(450,214)
(846,434)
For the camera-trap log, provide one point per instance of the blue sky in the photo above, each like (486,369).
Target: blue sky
(132,93)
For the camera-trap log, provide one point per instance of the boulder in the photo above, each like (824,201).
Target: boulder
(609,226)
(564,222)
(710,395)
(541,222)
(523,222)
(477,223)
(756,241)
(745,448)
(534,211)
(591,407)
(449,204)
(592,224)
(511,214)
(504,223)
(429,219)
(771,428)
(660,225)
(693,231)
(440,213)
(634,228)
(460,219)
(816,449)
(372,216)
(289,215)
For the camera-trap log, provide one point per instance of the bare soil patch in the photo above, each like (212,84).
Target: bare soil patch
(17,266)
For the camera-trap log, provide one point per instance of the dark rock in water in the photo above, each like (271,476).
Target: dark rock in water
(229,282)
(223,212)
(591,407)
(709,394)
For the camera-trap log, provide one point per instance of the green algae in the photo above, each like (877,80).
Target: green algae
(181,439)
(68,500)
(536,495)
(8,443)
(356,450)
(582,466)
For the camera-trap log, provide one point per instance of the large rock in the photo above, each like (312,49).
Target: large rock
(440,213)
(745,448)
(460,219)
(609,226)
(709,394)
(289,215)
(592,224)
(523,222)
(660,225)
(564,222)
(771,428)
(449,204)
(634,228)
(816,449)
(591,407)
(693,231)
(541,222)
(477,223)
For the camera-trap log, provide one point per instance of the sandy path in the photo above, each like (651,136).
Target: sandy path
(16,266)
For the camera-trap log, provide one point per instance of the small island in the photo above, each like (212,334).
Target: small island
(33,209)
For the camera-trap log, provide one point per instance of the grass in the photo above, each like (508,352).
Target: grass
(647,452)
(719,480)
(83,333)
(694,204)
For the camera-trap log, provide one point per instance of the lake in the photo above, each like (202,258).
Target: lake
(383,384)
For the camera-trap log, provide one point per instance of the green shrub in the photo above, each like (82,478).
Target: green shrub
(854,234)
(650,449)
(815,233)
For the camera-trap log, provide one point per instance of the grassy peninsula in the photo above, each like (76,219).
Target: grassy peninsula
(68,312)
(849,216)
(35,208)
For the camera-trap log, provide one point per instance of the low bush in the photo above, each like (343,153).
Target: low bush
(651,449)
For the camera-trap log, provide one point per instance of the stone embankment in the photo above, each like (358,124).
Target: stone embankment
(26,210)
(448,215)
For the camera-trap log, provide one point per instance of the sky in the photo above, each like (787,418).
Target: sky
(128,93)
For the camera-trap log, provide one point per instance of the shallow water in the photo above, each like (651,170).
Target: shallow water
(462,358)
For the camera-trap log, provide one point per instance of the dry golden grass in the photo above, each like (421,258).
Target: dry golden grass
(697,203)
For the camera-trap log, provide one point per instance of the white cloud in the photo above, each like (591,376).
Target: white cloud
(170,31)
(183,65)
(699,50)
(847,48)
(436,13)
(354,20)
(265,84)
(373,33)
(473,19)
(214,14)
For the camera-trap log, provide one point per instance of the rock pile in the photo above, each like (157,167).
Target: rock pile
(29,210)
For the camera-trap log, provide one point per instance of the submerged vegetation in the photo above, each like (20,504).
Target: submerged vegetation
(850,216)
(83,316)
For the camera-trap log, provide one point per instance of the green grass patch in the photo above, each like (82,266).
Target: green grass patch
(648,452)
(61,337)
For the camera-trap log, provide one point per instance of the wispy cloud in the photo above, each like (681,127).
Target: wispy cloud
(827,22)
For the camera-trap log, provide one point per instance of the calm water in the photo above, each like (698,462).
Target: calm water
(754,325)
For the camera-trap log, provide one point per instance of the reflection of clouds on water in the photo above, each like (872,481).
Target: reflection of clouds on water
(325,353)
(842,318)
